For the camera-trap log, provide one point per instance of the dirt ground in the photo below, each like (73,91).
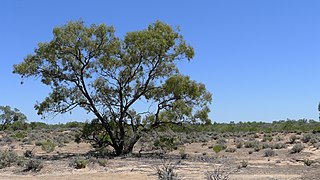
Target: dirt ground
(200,160)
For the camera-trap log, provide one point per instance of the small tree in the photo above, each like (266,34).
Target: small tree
(9,116)
(89,67)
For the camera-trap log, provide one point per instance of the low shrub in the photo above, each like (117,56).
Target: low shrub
(48,146)
(297,148)
(243,164)
(166,171)
(34,165)
(217,148)
(292,139)
(306,137)
(251,144)
(308,162)
(231,150)
(269,153)
(278,146)
(79,163)
(9,158)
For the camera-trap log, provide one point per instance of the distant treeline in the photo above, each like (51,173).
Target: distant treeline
(301,125)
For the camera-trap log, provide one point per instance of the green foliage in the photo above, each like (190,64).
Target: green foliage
(306,137)
(79,163)
(217,148)
(9,158)
(19,135)
(94,133)
(91,68)
(38,125)
(48,146)
(10,116)
(165,143)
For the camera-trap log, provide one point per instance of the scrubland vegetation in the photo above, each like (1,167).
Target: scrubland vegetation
(228,150)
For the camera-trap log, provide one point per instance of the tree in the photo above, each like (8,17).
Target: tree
(91,68)
(9,116)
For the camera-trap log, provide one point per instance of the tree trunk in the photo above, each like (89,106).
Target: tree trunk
(131,143)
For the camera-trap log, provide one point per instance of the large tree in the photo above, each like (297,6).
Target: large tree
(90,67)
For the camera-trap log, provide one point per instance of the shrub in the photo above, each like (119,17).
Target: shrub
(267,138)
(265,145)
(239,144)
(279,146)
(221,141)
(306,137)
(317,145)
(28,153)
(79,163)
(19,135)
(243,164)
(102,162)
(219,173)
(269,153)
(251,144)
(9,158)
(308,162)
(48,146)
(217,148)
(293,138)
(34,165)
(165,143)
(231,150)
(166,171)
(297,148)
(182,153)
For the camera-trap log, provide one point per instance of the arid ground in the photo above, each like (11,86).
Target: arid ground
(246,156)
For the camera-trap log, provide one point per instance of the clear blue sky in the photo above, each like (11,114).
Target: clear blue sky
(260,59)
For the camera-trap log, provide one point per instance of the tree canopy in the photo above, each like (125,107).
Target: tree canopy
(9,116)
(91,68)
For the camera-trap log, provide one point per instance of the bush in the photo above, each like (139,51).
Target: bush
(19,135)
(165,143)
(28,153)
(217,148)
(231,150)
(34,165)
(102,162)
(292,139)
(48,146)
(9,158)
(79,163)
(269,153)
(182,153)
(297,148)
(166,171)
(219,173)
(279,146)
(306,138)
(243,164)
(221,141)
(308,162)
(251,144)
(239,145)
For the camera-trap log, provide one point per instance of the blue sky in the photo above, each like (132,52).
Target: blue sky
(260,59)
